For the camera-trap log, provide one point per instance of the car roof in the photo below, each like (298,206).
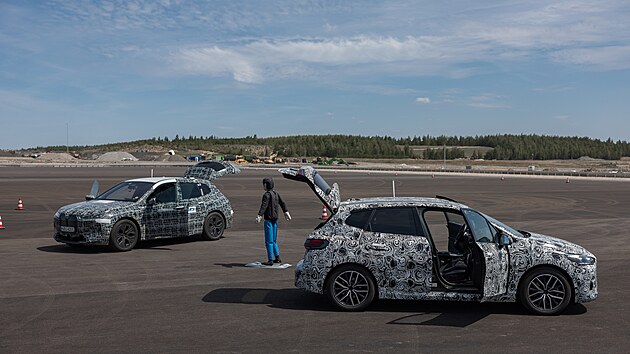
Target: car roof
(153,179)
(402,201)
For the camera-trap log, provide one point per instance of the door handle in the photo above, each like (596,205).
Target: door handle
(378,247)
(179,207)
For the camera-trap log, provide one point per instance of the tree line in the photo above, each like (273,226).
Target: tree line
(504,147)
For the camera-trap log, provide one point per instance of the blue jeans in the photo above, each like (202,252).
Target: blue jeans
(271,235)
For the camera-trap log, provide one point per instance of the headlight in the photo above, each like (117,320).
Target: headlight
(57,215)
(581,259)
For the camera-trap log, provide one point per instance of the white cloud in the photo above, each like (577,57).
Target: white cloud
(424,100)
(216,61)
(258,60)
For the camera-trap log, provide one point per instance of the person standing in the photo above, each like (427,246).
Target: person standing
(269,210)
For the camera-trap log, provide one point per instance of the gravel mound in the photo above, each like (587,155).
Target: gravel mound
(56,156)
(116,156)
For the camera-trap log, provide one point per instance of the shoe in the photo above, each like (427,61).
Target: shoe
(277,260)
(268,263)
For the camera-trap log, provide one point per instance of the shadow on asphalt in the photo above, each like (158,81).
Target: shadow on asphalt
(290,299)
(147,245)
(426,313)
(231,265)
(74,249)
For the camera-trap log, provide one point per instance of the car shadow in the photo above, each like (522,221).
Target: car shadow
(289,299)
(74,249)
(458,314)
(425,313)
(158,244)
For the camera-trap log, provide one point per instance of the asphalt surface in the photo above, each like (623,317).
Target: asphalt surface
(196,296)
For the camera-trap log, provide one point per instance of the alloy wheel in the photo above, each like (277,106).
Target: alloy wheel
(546,292)
(351,288)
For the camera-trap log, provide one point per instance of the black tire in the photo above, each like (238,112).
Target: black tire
(545,291)
(213,226)
(350,288)
(124,236)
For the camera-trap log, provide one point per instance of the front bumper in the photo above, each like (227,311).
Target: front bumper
(87,232)
(586,284)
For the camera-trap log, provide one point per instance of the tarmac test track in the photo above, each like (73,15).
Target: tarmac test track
(190,296)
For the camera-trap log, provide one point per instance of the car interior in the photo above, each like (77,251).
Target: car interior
(458,261)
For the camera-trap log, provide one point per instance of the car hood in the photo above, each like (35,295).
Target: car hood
(92,208)
(555,244)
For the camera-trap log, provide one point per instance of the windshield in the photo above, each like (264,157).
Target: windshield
(502,226)
(126,191)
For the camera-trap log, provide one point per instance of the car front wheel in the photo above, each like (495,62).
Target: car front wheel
(351,288)
(124,236)
(545,291)
(213,226)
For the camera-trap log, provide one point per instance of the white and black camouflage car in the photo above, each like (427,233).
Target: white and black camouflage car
(149,208)
(435,249)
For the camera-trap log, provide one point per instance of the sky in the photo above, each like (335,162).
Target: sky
(95,72)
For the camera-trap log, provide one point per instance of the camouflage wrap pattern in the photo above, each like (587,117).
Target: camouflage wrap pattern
(93,220)
(403,266)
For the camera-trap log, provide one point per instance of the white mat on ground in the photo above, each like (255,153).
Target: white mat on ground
(275,265)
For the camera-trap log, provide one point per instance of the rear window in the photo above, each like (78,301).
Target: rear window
(394,221)
(359,218)
(205,189)
(190,190)
(211,164)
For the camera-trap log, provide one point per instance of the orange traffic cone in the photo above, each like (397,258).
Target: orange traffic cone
(1,226)
(324,213)
(20,205)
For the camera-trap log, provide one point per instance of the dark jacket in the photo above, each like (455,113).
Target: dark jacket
(271,204)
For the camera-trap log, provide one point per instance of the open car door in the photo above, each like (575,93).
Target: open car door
(211,169)
(307,174)
(495,256)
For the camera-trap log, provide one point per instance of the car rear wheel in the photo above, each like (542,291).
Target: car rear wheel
(124,236)
(351,288)
(213,226)
(545,291)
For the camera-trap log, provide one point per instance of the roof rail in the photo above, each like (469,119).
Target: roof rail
(446,198)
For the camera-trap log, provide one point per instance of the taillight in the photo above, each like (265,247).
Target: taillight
(315,244)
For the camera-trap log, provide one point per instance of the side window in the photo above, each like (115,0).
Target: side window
(166,193)
(443,225)
(359,218)
(205,189)
(394,221)
(190,190)
(481,230)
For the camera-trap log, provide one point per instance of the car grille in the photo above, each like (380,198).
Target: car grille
(65,220)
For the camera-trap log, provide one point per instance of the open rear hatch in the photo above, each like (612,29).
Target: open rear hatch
(307,174)
(211,169)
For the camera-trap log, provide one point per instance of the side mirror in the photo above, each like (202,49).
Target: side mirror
(152,201)
(93,191)
(504,239)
